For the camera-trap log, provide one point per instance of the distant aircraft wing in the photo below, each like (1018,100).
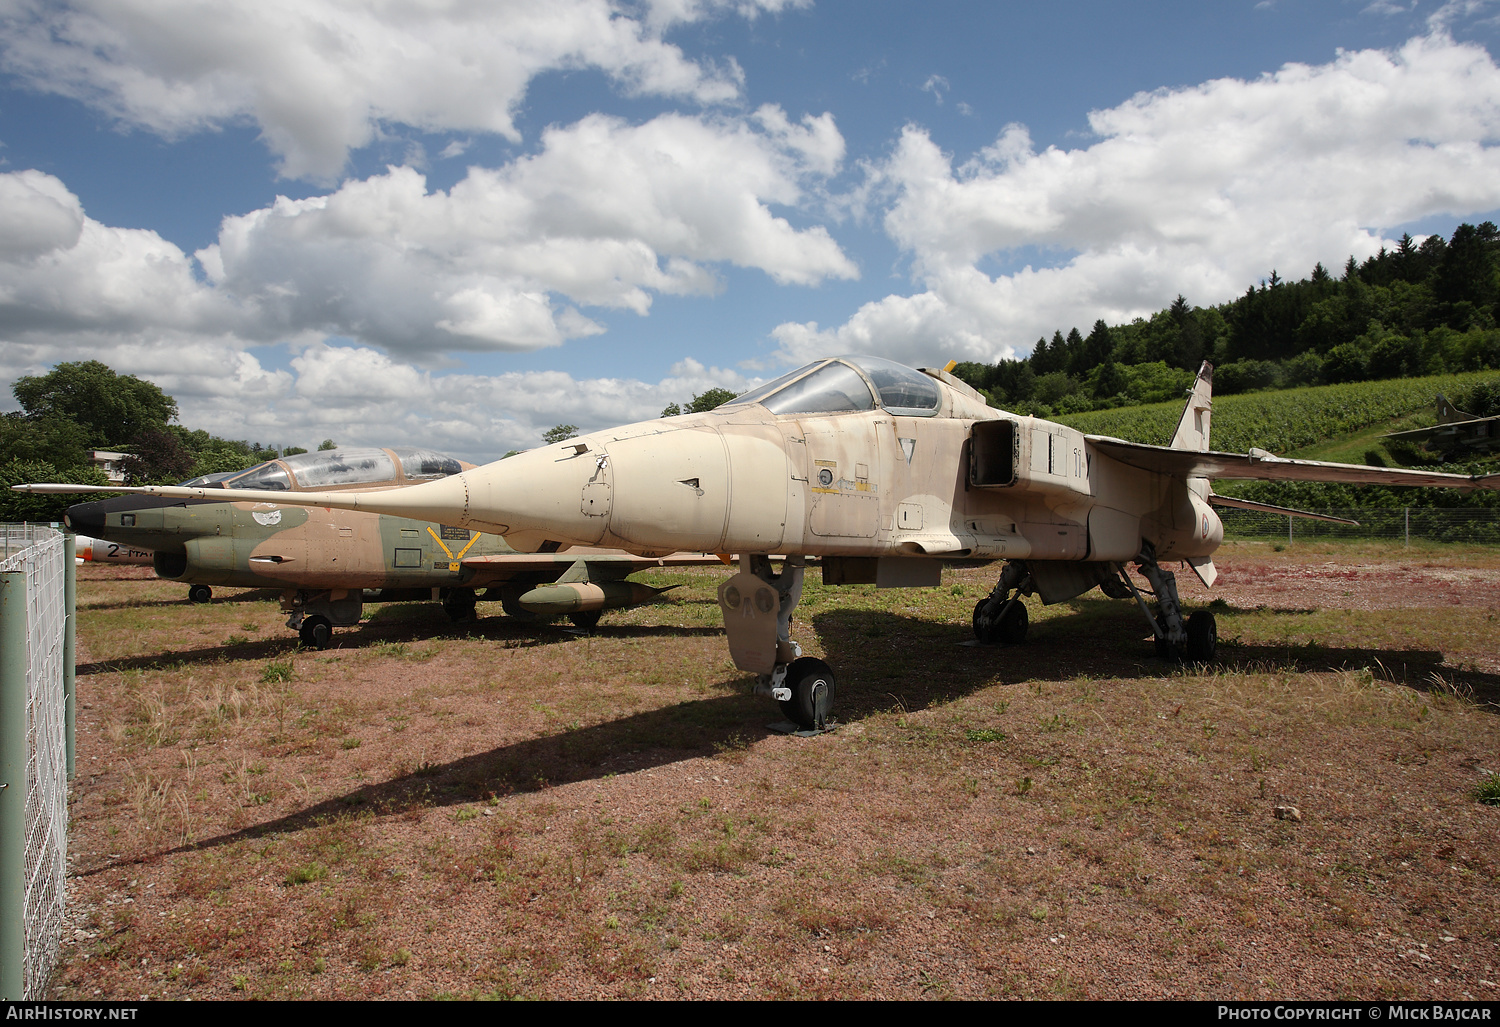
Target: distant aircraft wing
(576,564)
(1285,511)
(1258,465)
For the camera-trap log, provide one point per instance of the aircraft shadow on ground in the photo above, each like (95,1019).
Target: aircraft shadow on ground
(886,660)
(638,742)
(258,595)
(416,626)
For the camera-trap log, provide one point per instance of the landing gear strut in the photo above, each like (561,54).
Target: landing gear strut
(459,604)
(1000,618)
(757,604)
(1196,637)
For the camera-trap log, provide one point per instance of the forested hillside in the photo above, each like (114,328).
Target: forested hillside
(1419,309)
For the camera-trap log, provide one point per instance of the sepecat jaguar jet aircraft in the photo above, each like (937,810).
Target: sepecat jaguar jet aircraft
(883,471)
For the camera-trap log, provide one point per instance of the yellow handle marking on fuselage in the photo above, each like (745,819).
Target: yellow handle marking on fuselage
(448,551)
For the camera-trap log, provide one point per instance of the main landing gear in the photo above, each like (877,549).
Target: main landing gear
(757,604)
(1195,638)
(459,604)
(1000,618)
(200,594)
(314,614)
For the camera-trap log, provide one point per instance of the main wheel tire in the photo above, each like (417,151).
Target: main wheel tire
(459,604)
(1012,625)
(813,688)
(588,620)
(1001,622)
(510,602)
(983,626)
(200,594)
(315,632)
(1203,637)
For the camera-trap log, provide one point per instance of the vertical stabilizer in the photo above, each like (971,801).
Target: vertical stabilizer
(1192,428)
(1448,413)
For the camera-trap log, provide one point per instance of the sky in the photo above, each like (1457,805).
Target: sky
(457,224)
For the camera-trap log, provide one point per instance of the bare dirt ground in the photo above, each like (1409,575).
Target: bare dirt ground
(497,809)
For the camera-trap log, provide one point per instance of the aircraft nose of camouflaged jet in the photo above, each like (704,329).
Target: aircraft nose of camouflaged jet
(87,518)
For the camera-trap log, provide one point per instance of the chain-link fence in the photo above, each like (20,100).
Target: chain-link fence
(36,663)
(1404,524)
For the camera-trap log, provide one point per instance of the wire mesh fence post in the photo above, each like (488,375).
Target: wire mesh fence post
(33,756)
(70,648)
(13,666)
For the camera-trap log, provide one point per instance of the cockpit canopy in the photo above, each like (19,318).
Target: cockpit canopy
(352,465)
(845,384)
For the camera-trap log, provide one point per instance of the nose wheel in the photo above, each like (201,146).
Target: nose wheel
(812,687)
(200,594)
(315,632)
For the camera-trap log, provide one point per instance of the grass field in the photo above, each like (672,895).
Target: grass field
(497,810)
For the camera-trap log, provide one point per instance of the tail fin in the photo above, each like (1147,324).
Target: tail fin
(1192,427)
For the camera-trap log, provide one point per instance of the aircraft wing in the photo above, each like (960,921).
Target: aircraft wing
(579,564)
(1259,465)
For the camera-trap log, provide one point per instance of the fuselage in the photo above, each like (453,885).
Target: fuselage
(956,478)
(222,541)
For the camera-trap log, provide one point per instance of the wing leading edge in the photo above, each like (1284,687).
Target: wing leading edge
(1258,465)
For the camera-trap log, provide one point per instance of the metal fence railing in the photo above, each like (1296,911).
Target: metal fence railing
(1405,524)
(36,751)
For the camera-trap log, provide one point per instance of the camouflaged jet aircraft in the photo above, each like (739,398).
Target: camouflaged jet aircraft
(884,472)
(324,559)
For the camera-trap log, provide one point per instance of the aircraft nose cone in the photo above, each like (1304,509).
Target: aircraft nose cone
(86,518)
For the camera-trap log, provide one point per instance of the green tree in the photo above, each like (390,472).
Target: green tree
(27,506)
(327,444)
(51,438)
(159,459)
(559,433)
(706,401)
(112,409)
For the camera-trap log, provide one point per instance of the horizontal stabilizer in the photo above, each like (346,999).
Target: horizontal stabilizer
(1258,465)
(1285,511)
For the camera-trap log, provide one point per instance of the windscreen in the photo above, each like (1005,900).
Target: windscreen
(834,388)
(270,476)
(758,394)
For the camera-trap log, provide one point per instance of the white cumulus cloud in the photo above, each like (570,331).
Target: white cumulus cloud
(607,214)
(1199,190)
(319,77)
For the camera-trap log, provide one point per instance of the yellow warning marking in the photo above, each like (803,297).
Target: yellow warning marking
(454,566)
(442,543)
(466,548)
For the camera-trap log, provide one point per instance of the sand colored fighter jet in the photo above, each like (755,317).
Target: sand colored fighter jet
(883,471)
(324,559)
